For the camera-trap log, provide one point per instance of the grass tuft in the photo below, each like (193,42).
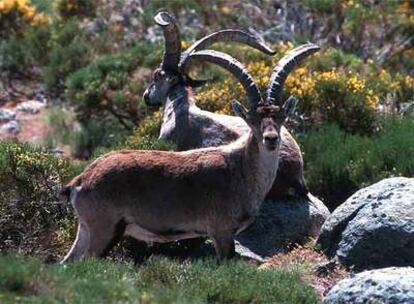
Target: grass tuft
(158,280)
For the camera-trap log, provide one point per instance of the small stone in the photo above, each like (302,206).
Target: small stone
(11,128)
(31,106)
(6,115)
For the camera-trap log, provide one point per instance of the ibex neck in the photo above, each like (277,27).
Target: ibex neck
(259,166)
(175,118)
(177,101)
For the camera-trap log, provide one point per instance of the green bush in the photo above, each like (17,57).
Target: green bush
(66,9)
(30,172)
(337,163)
(349,108)
(145,136)
(108,87)
(97,135)
(336,58)
(20,53)
(158,280)
(69,51)
(85,140)
(30,181)
(16,16)
(320,6)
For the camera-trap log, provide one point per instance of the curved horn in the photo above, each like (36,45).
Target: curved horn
(255,41)
(284,67)
(172,51)
(236,68)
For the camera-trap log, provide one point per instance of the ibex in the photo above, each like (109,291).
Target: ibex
(162,196)
(189,127)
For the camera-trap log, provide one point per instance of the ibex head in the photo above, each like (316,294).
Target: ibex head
(175,64)
(265,117)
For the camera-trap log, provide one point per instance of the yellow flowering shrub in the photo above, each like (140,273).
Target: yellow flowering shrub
(332,87)
(16,14)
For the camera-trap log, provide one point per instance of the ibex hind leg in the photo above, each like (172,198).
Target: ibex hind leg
(80,246)
(98,229)
(95,239)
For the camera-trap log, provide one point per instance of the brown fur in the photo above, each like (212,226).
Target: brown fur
(165,196)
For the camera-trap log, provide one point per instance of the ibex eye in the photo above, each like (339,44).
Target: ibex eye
(157,74)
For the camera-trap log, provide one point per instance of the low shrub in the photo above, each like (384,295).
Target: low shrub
(333,87)
(69,51)
(112,86)
(158,280)
(95,136)
(337,163)
(17,15)
(30,172)
(24,33)
(145,136)
(85,140)
(30,181)
(66,9)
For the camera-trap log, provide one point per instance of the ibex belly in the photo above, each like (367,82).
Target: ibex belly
(145,235)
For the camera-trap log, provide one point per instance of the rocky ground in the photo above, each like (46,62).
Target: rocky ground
(22,113)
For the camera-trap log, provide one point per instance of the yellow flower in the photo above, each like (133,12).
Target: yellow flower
(7,6)
(372,99)
(355,85)
(409,81)
(184,44)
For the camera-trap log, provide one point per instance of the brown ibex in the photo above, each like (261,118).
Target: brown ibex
(189,127)
(161,196)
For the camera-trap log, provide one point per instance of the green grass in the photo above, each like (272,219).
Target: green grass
(158,280)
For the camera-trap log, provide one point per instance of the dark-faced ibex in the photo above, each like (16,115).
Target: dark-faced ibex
(159,196)
(189,127)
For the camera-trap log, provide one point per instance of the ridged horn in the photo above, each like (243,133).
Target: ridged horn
(172,39)
(255,41)
(283,68)
(236,68)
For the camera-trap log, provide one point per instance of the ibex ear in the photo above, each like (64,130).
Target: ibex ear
(239,110)
(289,106)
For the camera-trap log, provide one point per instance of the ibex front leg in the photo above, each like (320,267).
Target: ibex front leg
(224,245)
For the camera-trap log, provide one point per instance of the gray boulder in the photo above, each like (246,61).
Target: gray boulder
(6,115)
(280,223)
(31,106)
(13,127)
(374,228)
(394,285)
